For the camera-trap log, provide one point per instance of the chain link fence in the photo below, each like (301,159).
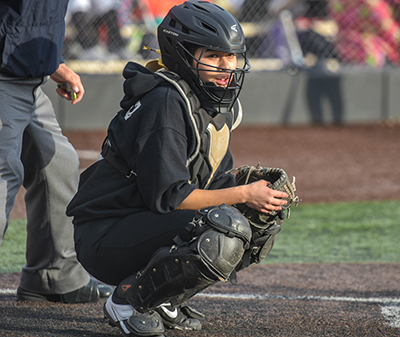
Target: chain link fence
(102,35)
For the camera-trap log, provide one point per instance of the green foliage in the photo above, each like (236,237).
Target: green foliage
(337,232)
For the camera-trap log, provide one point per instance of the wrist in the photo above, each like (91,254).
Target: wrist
(241,194)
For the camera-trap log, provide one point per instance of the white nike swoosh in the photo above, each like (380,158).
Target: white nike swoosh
(169,313)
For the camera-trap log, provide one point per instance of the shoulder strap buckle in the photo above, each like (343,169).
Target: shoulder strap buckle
(119,164)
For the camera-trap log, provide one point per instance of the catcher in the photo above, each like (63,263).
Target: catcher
(150,215)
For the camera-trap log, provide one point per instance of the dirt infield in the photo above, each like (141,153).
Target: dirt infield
(274,300)
(331,163)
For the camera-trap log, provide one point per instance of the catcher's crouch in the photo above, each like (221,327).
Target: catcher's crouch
(156,215)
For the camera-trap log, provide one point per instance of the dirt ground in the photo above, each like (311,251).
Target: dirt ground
(330,163)
(270,300)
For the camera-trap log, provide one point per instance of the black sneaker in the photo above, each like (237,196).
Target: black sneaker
(180,318)
(91,292)
(132,322)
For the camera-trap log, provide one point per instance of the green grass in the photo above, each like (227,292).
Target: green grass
(337,232)
(340,232)
(12,250)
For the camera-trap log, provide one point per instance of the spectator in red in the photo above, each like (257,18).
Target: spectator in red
(368,33)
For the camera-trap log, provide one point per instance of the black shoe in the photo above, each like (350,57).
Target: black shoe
(105,291)
(180,318)
(132,322)
(91,292)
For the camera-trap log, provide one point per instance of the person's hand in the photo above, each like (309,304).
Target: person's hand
(73,81)
(264,199)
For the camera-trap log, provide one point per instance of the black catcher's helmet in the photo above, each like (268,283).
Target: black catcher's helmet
(197,24)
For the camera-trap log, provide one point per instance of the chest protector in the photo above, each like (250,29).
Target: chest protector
(212,133)
(212,136)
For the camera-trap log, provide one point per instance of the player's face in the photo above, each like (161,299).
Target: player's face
(210,60)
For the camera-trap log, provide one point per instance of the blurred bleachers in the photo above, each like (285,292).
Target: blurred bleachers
(102,35)
(313,61)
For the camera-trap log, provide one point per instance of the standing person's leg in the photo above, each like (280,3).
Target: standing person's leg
(51,178)
(15,114)
(87,36)
(115,41)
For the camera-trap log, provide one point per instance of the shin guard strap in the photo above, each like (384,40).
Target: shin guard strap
(171,276)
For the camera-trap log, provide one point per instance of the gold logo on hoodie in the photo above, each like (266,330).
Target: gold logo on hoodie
(219,142)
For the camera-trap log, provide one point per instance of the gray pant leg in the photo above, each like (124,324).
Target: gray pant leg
(51,178)
(15,109)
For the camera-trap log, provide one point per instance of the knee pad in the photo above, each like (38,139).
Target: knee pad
(220,237)
(263,241)
(225,234)
(261,244)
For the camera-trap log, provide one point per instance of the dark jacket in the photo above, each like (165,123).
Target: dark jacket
(31,36)
(155,135)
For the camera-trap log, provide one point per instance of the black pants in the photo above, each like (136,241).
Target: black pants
(114,248)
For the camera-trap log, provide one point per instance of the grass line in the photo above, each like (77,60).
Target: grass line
(314,233)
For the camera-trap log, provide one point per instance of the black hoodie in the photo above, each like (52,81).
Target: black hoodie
(154,134)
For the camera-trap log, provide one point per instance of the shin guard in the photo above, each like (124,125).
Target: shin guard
(220,237)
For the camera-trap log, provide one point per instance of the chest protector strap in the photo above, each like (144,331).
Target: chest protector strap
(212,133)
(200,163)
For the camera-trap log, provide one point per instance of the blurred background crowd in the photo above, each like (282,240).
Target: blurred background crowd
(280,33)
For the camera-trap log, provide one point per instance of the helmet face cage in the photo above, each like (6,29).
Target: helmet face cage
(223,97)
(201,24)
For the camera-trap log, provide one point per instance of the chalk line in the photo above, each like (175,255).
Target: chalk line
(377,300)
(390,307)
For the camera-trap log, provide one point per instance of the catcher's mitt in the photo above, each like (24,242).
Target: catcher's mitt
(278,180)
